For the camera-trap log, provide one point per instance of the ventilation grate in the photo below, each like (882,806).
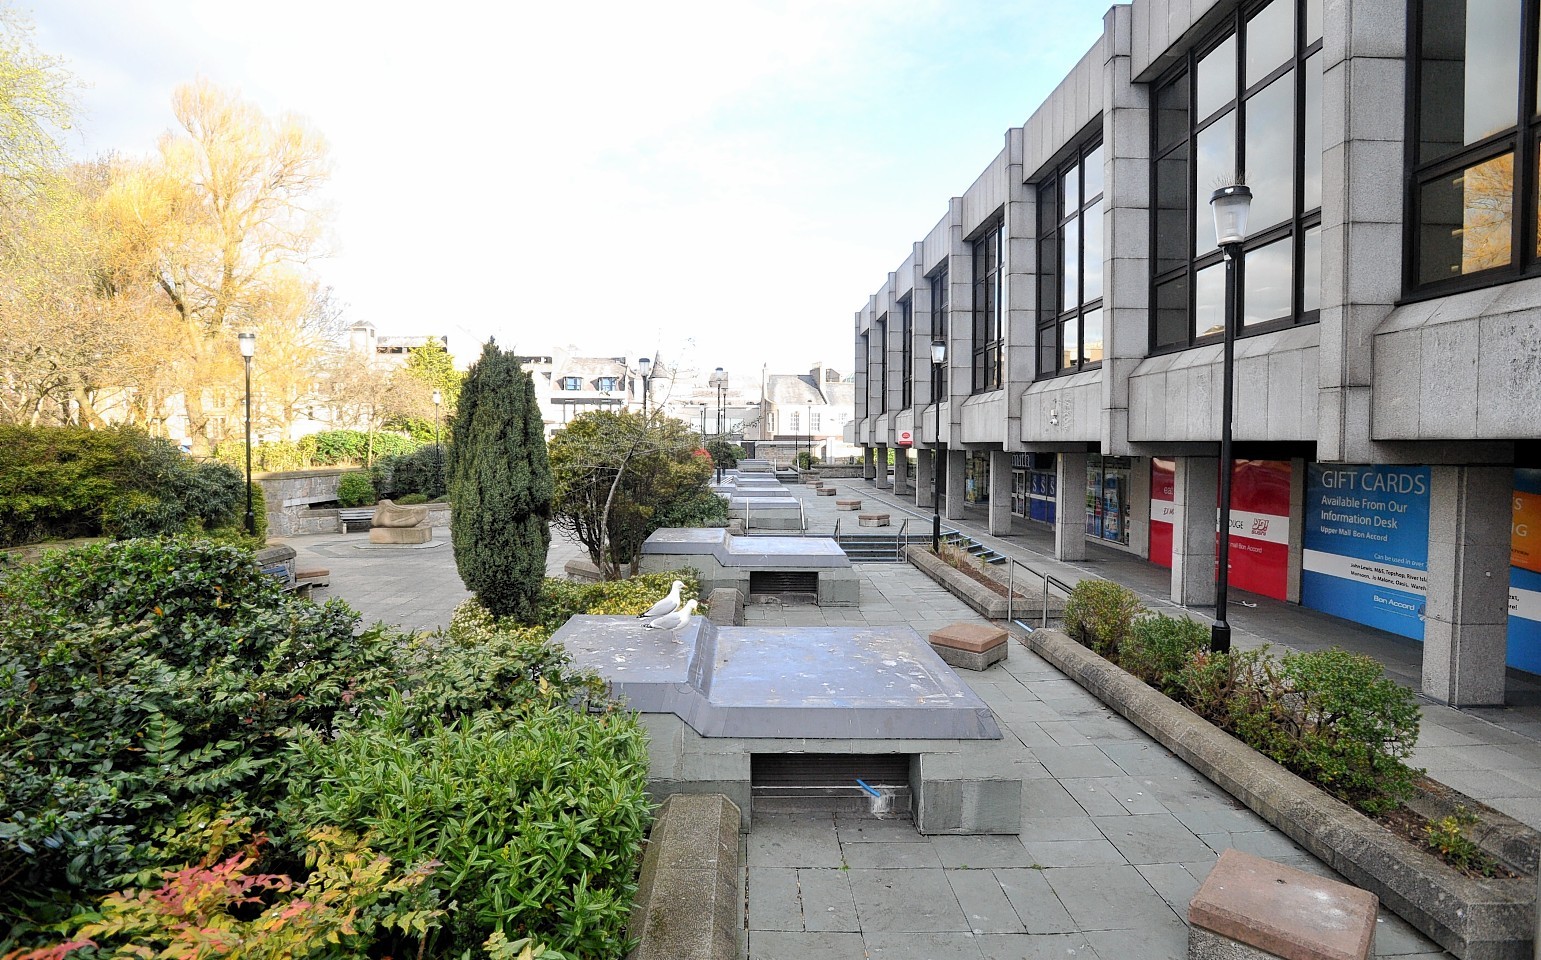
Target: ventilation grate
(786,584)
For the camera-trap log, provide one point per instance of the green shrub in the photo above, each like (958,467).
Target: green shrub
(355,489)
(1099,614)
(64,482)
(1356,727)
(1159,647)
(1330,716)
(420,471)
(411,499)
(561,600)
(145,678)
(538,824)
(332,448)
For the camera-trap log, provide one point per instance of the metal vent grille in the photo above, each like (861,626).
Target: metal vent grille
(784,583)
(828,769)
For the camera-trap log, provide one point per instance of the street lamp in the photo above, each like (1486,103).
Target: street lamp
(719,379)
(645,371)
(248,342)
(1230,206)
(438,452)
(810,436)
(938,357)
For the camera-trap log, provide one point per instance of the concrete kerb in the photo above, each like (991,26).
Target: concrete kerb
(1473,919)
(689,902)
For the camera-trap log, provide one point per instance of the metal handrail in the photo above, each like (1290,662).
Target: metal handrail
(899,539)
(1048,581)
(837,530)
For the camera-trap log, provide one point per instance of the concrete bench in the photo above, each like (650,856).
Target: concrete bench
(825,492)
(973,646)
(1250,908)
(872,519)
(847,504)
(363,516)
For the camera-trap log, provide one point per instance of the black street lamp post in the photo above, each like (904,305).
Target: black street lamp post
(938,357)
(810,436)
(719,379)
(438,451)
(1230,206)
(248,342)
(645,372)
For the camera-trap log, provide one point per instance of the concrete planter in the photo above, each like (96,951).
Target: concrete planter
(1473,919)
(984,601)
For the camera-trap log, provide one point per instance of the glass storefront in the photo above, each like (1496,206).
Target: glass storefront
(1033,486)
(976,478)
(1107,498)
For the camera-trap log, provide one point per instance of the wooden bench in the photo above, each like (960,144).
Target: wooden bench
(355,515)
(847,504)
(973,646)
(872,519)
(1251,907)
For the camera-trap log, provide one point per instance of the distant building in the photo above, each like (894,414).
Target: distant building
(803,413)
(388,351)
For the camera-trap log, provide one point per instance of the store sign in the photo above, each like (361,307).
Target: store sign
(1260,523)
(1366,556)
(1525,573)
(906,438)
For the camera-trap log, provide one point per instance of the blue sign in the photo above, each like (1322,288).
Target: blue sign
(1366,545)
(1525,573)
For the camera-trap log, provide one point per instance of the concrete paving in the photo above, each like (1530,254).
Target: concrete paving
(1117,833)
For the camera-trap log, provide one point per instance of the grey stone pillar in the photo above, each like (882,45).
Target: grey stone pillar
(1000,493)
(925,465)
(1070,506)
(956,464)
(867,469)
(881,480)
(1196,492)
(1466,615)
(901,471)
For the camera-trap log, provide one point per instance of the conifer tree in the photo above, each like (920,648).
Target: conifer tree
(500,487)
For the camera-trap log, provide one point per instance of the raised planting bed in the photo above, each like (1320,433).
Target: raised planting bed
(983,593)
(1473,918)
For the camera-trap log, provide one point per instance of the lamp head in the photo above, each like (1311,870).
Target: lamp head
(438,398)
(1231,205)
(938,351)
(645,367)
(248,341)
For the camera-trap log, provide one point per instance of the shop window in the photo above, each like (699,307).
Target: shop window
(1245,106)
(1107,498)
(976,478)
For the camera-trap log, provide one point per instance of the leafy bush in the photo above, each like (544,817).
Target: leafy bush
(1330,716)
(560,600)
(355,489)
(411,499)
(221,907)
(1099,614)
(1159,647)
(538,824)
(421,471)
(143,679)
(63,482)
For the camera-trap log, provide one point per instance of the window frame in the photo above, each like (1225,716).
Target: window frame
(906,354)
(941,307)
(1522,140)
(881,326)
(1051,311)
(987,309)
(1296,226)
(572,383)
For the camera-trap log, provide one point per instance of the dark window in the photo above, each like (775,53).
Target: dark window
(1473,155)
(1255,91)
(939,308)
(571,383)
(989,331)
(880,368)
(906,355)
(606,384)
(1070,265)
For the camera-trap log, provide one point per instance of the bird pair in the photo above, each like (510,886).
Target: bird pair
(667,614)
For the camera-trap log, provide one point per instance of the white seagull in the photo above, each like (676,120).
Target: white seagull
(670,621)
(668,604)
